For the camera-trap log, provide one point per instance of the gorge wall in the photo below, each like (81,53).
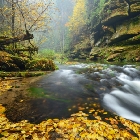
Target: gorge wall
(113,33)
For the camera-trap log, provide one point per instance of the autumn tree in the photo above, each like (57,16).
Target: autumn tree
(77,22)
(78,18)
(28,16)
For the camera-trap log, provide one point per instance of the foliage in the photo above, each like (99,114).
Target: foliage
(4,86)
(46,53)
(51,54)
(85,13)
(28,15)
(61,58)
(76,127)
(78,18)
(94,10)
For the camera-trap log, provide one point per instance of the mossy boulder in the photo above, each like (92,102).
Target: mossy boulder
(10,63)
(42,64)
(7,63)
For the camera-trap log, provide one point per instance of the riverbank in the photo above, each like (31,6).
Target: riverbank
(12,87)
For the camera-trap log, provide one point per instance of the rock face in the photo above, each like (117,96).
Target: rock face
(117,25)
(114,11)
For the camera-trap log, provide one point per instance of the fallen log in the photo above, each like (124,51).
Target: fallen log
(23,37)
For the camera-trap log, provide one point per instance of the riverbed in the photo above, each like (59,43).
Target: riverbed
(77,87)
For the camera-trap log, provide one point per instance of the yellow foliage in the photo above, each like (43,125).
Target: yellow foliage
(35,14)
(78,19)
(77,127)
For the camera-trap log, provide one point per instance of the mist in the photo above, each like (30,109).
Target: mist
(56,36)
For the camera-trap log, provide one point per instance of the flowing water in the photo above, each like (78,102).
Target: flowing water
(84,87)
(125,99)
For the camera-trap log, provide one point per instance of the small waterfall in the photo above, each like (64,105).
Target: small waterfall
(125,99)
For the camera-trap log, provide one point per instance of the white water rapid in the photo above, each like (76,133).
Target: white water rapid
(125,99)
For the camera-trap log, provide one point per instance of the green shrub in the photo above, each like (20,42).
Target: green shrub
(46,53)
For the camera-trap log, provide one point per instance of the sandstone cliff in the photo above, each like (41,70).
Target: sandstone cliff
(113,32)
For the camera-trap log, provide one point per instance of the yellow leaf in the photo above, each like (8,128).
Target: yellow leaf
(2,109)
(105,113)
(109,137)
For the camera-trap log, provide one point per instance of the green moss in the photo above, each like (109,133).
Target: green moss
(36,92)
(41,93)
(117,53)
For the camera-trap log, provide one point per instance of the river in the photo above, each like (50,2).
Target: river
(84,87)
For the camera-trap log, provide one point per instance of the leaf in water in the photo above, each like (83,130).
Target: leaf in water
(2,109)
(105,113)
(81,108)
(56,120)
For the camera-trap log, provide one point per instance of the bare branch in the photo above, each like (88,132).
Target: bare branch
(22,16)
(39,15)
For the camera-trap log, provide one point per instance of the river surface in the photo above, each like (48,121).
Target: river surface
(83,87)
